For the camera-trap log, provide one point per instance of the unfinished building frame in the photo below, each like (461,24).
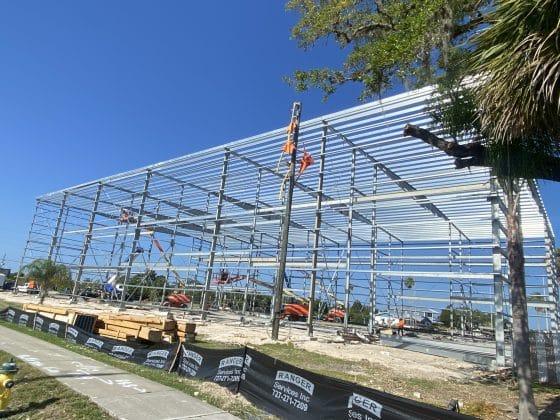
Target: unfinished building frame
(380,219)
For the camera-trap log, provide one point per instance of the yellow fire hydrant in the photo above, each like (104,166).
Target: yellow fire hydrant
(7,372)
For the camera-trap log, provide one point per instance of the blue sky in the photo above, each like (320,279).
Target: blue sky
(93,88)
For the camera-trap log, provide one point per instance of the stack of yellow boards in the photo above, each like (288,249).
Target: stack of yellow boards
(125,327)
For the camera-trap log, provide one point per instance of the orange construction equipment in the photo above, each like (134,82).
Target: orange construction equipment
(295,312)
(289,146)
(226,278)
(292,126)
(336,315)
(177,300)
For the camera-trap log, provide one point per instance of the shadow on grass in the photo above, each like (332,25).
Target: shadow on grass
(29,407)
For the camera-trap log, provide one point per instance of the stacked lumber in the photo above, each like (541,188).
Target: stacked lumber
(186,331)
(52,312)
(125,327)
(135,327)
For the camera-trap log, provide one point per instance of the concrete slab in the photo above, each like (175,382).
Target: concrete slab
(122,394)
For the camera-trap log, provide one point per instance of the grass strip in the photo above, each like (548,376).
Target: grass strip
(211,393)
(39,396)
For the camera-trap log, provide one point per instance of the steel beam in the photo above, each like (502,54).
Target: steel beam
(87,240)
(217,224)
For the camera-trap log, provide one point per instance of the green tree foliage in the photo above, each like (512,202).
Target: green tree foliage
(154,295)
(513,107)
(358,314)
(479,318)
(518,57)
(518,60)
(512,113)
(145,286)
(406,41)
(48,274)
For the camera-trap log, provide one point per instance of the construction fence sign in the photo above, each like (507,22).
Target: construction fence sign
(223,367)
(272,385)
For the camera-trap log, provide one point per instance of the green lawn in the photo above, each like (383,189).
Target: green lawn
(39,396)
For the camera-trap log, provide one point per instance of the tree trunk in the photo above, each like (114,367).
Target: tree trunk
(516,261)
(474,154)
(42,294)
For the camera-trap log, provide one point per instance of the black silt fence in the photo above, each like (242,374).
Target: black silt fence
(277,387)
(223,367)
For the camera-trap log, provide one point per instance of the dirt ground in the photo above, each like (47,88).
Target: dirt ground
(418,376)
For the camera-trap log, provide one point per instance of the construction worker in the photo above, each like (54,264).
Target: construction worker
(401,327)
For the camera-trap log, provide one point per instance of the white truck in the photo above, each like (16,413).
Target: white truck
(30,287)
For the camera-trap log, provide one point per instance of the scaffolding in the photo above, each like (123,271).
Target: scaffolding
(375,209)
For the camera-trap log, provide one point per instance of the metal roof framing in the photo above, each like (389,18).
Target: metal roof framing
(390,207)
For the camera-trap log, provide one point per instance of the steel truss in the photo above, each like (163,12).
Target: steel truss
(374,209)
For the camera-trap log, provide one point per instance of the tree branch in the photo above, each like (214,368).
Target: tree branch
(475,154)
(467,27)
(352,34)
(470,150)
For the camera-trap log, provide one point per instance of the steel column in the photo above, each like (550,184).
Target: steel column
(21,265)
(57,227)
(252,241)
(87,240)
(317,231)
(451,307)
(373,257)
(217,225)
(349,239)
(498,282)
(137,232)
(172,247)
(552,282)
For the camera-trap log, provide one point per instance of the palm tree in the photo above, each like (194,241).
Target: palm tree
(47,274)
(518,58)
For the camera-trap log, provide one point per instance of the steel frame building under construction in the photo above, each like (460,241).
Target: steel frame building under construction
(375,210)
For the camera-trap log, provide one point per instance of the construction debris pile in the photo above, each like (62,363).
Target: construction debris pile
(123,327)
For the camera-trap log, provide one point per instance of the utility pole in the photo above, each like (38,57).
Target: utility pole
(279,287)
